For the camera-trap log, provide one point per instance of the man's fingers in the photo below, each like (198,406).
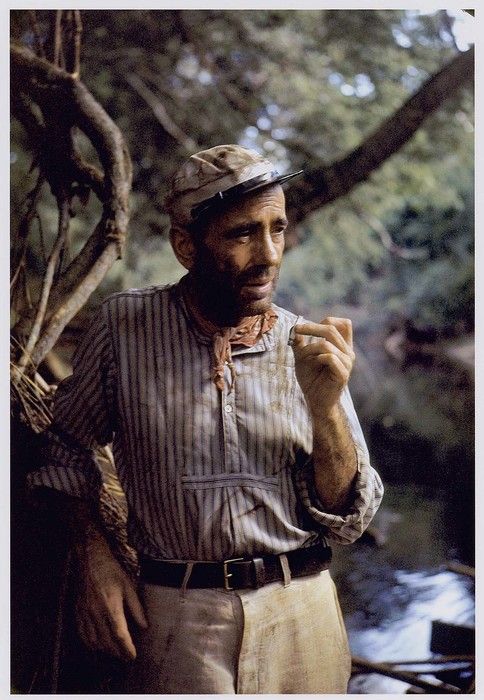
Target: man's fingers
(324,347)
(344,326)
(123,642)
(338,372)
(318,330)
(102,622)
(96,634)
(298,341)
(119,631)
(107,640)
(135,608)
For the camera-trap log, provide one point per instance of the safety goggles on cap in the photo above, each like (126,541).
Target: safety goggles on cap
(239,190)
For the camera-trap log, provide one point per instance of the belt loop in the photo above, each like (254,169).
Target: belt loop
(186,577)
(259,572)
(286,571)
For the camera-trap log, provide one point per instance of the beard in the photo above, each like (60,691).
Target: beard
(221,289)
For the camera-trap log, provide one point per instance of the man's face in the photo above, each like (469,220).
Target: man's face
(237,262)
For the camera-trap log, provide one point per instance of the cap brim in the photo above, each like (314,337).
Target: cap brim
(237,191)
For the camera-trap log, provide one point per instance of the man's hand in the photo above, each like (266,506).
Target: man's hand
(106,594)
(323,367)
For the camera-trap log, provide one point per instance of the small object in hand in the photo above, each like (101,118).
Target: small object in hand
(292,336)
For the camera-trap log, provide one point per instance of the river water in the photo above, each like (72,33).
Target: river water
(419,426)
(391,593)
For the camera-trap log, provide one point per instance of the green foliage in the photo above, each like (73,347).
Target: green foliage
(305,87)
(428,404)
(343,260)
(332,266)
(437,292)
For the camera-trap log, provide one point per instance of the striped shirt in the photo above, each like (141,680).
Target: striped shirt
(208,475)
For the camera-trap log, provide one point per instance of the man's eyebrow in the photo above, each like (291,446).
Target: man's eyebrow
(241,228)
(252,226)
(281,221)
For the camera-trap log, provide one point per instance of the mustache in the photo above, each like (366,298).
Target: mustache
(258,273)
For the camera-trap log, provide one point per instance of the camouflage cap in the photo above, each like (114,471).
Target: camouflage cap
(217,175)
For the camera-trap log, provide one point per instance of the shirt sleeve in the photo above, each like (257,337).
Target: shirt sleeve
(83,418)
(367,489)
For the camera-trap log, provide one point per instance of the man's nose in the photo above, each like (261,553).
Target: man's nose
(267,250)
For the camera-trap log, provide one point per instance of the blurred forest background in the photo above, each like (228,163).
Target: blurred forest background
(377,107)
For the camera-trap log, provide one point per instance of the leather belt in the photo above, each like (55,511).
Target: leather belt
(236,573)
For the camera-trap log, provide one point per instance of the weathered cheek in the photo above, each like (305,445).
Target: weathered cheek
(238,261)
(222,256)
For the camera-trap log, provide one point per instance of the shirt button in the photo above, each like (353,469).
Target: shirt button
(228,408)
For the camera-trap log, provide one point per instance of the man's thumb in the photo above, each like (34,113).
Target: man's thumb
(135,607)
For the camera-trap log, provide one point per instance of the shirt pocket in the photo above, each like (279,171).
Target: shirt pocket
(212,481)
(223,510)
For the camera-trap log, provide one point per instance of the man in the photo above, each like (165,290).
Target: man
(237,445)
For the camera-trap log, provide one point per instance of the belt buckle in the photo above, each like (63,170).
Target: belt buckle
(227,575)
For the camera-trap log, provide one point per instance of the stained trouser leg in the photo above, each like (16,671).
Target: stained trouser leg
(191,644)
(294,639)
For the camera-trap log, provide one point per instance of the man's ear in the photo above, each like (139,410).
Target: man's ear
(183,246)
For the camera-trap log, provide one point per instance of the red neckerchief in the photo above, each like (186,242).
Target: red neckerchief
(249,331)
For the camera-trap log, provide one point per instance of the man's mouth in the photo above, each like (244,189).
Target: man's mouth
(259,287)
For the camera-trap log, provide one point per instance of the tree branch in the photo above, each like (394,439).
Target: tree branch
(86,174)
(69,99)
(65,103)
(36,32)
(224,85)
(159,111)
(22,109)
(322,185)
(387,241)
(64,217)
(74,301)
(57,38)
(78,267)
(24,229)
(77,43)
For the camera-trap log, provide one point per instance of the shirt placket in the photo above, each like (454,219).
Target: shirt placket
(228,409)
(230,406)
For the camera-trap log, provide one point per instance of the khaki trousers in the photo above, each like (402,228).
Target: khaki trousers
(276,639)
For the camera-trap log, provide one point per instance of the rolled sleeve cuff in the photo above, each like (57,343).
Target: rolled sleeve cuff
(70,469)
(368,493)
(65,479)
